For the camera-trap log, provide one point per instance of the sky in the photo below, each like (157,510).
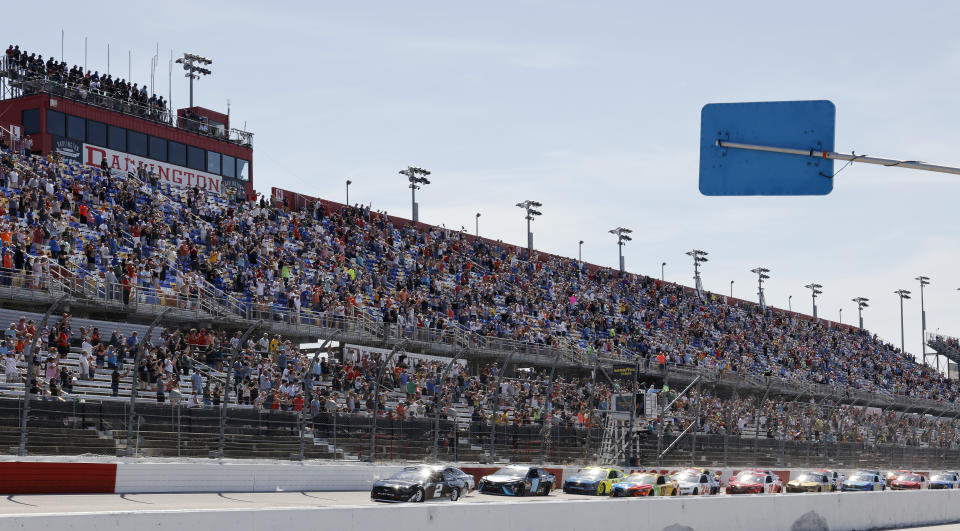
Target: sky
(593,109)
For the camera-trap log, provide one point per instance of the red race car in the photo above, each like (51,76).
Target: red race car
(909,481)
(754,482)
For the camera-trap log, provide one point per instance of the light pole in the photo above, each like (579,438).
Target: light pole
(662,266)
(731,289)
(416,176)
(192,64)
(349,182)
(529,207)
(699,257)
(861,304)
(904,294)
(925,281)
(580,252)
(841,315)
(790,303)
(814,291)
(477,222)
(622,238)
(762,275)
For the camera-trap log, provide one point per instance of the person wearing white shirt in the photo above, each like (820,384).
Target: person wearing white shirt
(10,367)
(84,365)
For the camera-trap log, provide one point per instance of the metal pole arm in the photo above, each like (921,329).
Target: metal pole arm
(675,441)
(376,396)
(135,379)
(681,393)
(28,356)
(831,155)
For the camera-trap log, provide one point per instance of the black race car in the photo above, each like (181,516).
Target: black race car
(517,480)
(419,483)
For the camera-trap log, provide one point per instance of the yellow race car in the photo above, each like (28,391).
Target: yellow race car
(813,481)
(645,484)
(593,481)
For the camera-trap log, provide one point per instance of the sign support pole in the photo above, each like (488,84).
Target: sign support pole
(831,155)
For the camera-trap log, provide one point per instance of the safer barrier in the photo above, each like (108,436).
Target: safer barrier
(836,512)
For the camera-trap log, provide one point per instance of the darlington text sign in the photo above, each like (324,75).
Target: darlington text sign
(173,175)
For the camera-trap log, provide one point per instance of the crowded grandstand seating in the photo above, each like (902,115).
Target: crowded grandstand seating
(124,236)
(126,230)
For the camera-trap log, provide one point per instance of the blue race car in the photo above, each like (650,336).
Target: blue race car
(863,481)
(944,480)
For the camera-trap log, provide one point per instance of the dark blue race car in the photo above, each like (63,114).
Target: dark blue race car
(517,480)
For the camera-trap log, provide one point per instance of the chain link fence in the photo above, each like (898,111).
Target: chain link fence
(65,426)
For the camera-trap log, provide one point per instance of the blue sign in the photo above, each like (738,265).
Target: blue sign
(803,125)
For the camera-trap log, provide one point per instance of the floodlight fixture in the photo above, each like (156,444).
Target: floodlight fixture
(191,65)
(415,176)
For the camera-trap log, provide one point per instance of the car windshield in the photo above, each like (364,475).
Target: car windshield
(687,476)
(943,477)
(642,479)
(592,473)
(811,477)
(411,474)
(750,477)
(861,477)
(512,471)
(909,477)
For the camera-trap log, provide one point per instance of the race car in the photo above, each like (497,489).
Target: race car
(467,478)
(417,484)
(944,480)
(909,481)
(754,482)
(814,481)
(836,478)
(892,475)
(645,484)
(517,480)
(592,480)
(696,482)
(864,480)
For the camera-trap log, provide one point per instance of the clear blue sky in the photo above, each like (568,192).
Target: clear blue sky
(592,109)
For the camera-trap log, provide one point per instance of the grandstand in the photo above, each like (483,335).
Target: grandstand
(123,248)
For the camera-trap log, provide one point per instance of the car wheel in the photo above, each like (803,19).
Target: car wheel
(600,490)
(417,496)
(520,491)
(455,495)
(547,487)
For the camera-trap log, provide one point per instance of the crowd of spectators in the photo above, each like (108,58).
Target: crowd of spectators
(120,230)
(104,88)
(273,373)
(355,261)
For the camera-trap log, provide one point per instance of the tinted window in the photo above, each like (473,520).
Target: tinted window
(31,121)
(195,158)
(76,128)
(56,123)
(177,153)
(117,138)
(213,162)
(137,143)
(242,170)
(229,166)
(96,133)
(158,149)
